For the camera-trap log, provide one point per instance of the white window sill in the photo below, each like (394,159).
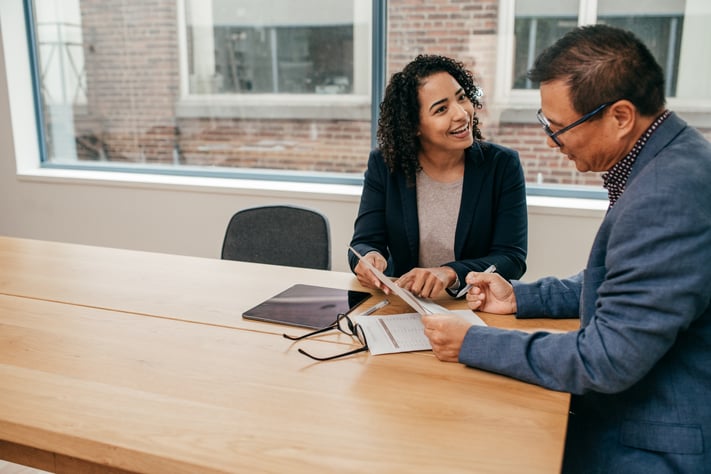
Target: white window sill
(256,187)
(548,205)
(276,106)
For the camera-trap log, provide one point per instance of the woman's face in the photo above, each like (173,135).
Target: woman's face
(446,115)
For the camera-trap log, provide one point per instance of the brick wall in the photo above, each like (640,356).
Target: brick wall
(331,146)
(133,73)
(132,77)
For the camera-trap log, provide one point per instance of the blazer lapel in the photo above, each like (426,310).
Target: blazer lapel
(471,193)
(408,197)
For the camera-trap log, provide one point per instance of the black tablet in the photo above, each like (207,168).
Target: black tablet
(307,306)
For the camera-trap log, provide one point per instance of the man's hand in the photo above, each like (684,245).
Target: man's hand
(446,334)
(490,293)
(427,282)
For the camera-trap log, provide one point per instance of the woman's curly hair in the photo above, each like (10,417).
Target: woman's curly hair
(400,110)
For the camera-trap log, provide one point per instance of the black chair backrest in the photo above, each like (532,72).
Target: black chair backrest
(279,235)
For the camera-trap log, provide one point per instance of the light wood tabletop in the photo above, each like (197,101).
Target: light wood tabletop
(97,379)
(155,395)
(210,291)
(195,289)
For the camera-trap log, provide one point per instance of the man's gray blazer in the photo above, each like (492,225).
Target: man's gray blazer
(639,368)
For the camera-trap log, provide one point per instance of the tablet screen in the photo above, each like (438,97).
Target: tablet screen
(307,306)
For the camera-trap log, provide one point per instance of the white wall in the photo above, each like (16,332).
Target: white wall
(188,215)
(186,220)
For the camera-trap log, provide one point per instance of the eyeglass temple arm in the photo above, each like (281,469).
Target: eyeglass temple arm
(312,333)
(354,351)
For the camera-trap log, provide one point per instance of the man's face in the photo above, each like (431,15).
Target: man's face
(591,145)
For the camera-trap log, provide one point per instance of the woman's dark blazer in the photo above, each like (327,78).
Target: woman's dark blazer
(492,227)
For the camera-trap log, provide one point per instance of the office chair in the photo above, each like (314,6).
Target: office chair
(279,235)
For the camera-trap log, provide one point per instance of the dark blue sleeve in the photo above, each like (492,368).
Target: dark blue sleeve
(370,229)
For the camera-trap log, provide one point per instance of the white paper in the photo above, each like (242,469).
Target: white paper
(420,305)
(402,332)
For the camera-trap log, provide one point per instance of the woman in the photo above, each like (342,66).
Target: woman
(438,202)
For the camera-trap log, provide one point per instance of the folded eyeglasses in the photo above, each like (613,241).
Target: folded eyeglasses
(343,324)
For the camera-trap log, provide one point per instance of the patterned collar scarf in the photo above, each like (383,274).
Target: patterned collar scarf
(615,180)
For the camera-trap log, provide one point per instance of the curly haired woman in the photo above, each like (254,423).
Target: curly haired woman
(438,201)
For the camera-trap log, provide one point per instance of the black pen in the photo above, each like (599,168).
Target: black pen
(464,290)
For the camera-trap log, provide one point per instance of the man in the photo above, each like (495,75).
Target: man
(639,368)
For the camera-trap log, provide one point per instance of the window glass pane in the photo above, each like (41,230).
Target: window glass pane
(199,86)
(533,35)
(263,55)
(219,84)
(676,31)
(560,8)
(60,52)
(658,23)
(536,26)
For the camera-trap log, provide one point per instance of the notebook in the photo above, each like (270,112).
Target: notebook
(306,306)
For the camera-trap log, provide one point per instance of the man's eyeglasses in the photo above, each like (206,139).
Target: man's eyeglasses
(342,323)
(554,135)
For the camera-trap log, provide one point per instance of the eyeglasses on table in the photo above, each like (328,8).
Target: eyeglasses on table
(343,324)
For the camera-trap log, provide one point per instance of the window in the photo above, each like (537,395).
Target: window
(197,87)
(310,59)
(306,60)
(674,31)
(290,91)
(659,24)
(62,76)
(241,47)
(536,28)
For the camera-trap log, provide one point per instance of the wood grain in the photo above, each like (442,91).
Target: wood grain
(121,361)
(153,395)
(204,290)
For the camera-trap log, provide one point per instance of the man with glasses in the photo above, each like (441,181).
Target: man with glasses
(639,367)
(554,135)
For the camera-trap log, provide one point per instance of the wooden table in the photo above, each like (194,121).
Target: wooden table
(204,290)
(121,361)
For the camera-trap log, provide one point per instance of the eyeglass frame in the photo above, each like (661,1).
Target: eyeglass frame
(546,124)
(354,329)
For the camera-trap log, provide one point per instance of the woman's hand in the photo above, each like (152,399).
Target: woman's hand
(366,277)
(427,282)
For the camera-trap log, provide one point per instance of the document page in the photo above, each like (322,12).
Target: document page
(402,332)
(420,305)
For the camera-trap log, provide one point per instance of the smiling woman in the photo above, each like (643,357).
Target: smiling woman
(438,201)
(446,115)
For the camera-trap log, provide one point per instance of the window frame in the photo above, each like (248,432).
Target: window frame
(302,106)
(264,106)
(520,105)
(515,106)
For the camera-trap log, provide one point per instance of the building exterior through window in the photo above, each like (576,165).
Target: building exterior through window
(285,87)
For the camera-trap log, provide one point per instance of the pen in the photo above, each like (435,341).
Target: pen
(375,307)
(464,290)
